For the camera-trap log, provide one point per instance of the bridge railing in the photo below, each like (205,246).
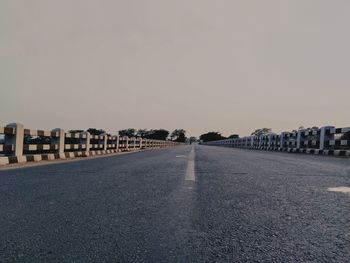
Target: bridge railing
(18,144)
(327,140)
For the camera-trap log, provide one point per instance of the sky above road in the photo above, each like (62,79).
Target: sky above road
(202,65)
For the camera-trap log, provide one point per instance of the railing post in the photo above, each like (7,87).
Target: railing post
(323,136)
(269,143)
(282,139)
(105,141)
(117,143)
(127,144)
(87,141)
(17,140)
(299,138)
(60,142)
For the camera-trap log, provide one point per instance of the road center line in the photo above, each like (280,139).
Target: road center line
(190,174)
(341,189)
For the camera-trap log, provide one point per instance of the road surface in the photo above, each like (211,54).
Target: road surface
(183,204)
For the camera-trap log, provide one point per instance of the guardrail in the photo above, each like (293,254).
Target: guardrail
(20,145)
(327,140)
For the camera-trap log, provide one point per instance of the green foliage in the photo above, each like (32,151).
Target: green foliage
(233,136)
(75,131)
(94,131)
(130,132)
(36,140)
(159,134)
(143,133)
(262,131)
(193,139)
(211,136)
(155,134)
(178,135)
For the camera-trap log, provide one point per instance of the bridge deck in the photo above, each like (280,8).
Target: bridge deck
(184,204)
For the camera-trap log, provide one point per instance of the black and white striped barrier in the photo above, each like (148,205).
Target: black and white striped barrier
(56,144)
(327,140)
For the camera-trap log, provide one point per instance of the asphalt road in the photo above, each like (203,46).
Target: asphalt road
(184,204)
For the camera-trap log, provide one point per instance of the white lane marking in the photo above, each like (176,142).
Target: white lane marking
(181,156)
(190,175)
(341,189)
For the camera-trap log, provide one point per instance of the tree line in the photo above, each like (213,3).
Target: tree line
(178,135)
(216,136)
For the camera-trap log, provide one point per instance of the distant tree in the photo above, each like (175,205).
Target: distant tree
(193,139)
(94,131)
(211,136)
(75,131)
(262,131)
(36,139)
(159,134)
(233,136)
(143,133)
(127,132)
(178,135)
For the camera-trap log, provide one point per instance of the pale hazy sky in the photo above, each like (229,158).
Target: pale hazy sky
(225,65)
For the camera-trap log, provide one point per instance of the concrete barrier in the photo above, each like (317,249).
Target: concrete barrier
(21,145)
(327,140)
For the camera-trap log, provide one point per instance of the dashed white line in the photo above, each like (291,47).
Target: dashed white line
(190,174)
(341,189)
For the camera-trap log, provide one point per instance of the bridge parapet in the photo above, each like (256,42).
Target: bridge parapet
(327,140)
(18,144)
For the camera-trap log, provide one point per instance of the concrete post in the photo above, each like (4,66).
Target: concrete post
(141,143)
(87,142)
(134,146)
(60,142)
(117,143)
(323,136)
(127,144)
(269,143)
(299,138)
(282,139)
(16,140)
(105,141)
